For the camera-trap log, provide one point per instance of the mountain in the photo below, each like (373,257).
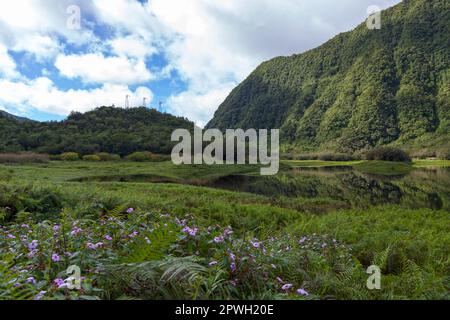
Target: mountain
(105,129)
(11,116)
(361,89)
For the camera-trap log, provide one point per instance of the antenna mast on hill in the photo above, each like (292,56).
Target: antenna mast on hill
(127,102)
(145,103)
(160,106)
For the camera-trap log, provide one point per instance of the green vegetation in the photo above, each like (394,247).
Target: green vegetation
(388,154)
(106,129)
(146,157)
(309,225)
(91,157)
(362,89)
(70,156)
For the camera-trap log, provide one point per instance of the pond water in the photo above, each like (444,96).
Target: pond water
(422,188)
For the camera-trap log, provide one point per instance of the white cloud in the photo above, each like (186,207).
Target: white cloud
(198,105)
(213,45)
(7,64)
(217,42)
(43,95)
(132,46)
(35,26)
(96,68)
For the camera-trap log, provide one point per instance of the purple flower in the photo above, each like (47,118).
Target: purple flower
(11,236)
(55,258)
(280,280)
(324,246)
(219,239)
(91,246)
(232,256)
(302,292)
(134,234)
(256,244)
(59,282)
(33,245)
(302,240)
(25,226)
(75,231)
(193,232)
(287,287)
(233,267)
(56,228)
(108,237)
(40,295)
(99,244)
(228,231)
(31,280)
(212,263)
(130,210)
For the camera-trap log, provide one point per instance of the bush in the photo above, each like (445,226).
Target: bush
(326,157)
(145,157)
(70,156)
(91,157)
(388,154)
(104,156)
(23,158)
(444,154)
(55,157)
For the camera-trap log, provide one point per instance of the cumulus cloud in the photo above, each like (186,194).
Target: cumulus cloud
(212,45)
(42,94)
(223,41)
(96,68)
(7,64)
(37,27)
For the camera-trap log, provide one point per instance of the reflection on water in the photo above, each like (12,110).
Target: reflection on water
(422,188)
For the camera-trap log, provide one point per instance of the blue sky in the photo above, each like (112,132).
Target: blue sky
(187,54)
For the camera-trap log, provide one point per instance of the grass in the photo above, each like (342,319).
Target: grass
(409,244)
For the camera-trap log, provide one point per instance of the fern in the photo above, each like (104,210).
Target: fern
(8,279)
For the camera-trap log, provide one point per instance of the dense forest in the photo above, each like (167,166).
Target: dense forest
(361,89)
(106,129)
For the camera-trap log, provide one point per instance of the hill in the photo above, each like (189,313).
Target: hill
(105,129)
(361,89)
(11,116)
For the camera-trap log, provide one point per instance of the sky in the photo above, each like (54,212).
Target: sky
(185,56)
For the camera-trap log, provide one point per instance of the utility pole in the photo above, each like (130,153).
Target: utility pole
(127,102)
(160,106)
(145,103)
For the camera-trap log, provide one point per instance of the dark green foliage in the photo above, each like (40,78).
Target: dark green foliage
(106,129)
(362,89)
(91,157)
(145,157)
(388,154)
(108,157)
(70,156)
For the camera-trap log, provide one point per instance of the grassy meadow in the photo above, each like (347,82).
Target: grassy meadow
(159,231)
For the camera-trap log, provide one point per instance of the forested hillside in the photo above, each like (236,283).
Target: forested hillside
(361,89)
(105,129)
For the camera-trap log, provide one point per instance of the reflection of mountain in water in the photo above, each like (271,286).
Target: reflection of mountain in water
(420,189)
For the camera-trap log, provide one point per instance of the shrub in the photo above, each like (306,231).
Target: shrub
(91,157)
(104,156)
(70,156)
(388,154)
(145,157)
(23,158)
(444,154)
(327,157)
(55,157)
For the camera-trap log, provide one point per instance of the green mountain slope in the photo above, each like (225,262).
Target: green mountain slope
(361,89)
(5,114)
(105,129)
